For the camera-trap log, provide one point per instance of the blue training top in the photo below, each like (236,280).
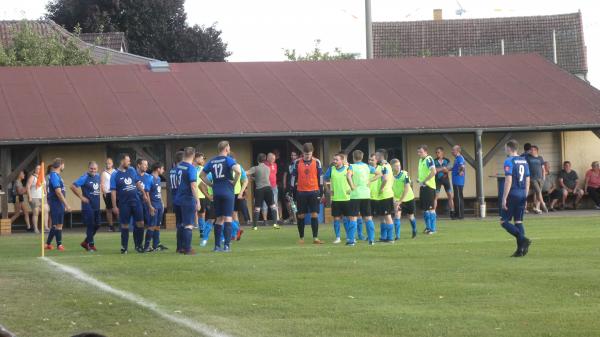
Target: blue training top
(124,182)
(518,168)
(188,175)
(457,179)
(90,188)
(155,195)
(221,168)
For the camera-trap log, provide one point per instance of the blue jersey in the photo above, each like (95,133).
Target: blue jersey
(90,188)
(188,175)
(155,195)
(124,182)
(457,179)
(444,163)
(54,182)
(518,168)
(174,180)
(221,168)
(146,180)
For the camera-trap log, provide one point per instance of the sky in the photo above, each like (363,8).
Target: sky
(260,30)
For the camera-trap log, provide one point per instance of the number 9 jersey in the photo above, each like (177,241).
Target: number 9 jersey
(518,168)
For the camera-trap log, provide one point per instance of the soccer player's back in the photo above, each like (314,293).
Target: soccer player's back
(174,180)
(358,176)
(514,198)
(187,198)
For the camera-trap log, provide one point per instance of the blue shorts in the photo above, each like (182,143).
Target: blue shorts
(147,216)
(156,220)
(127,211)
(223,205)
(516,209)
(90,217)
(57,214)
(188,215)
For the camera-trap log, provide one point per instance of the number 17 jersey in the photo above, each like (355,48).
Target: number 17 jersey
(221,168)
(518,168)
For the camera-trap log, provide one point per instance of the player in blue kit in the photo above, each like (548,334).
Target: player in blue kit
(146,180)
(187,198)
(174,185)
(124,186)
(156,210)
(225,173)
(58,204)
(514,198)
(87,188)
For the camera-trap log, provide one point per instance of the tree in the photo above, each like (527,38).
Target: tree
(153,28)
(318,55)
(28,48)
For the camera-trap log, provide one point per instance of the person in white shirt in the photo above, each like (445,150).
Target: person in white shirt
(106,195)
(35,199)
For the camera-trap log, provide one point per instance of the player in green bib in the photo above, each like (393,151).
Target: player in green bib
(426,180)
(336,176)
(404,199)
(385,197)
(239,189)
(202,226)
(358,176)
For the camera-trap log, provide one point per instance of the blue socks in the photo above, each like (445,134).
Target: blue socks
(521,230)
(235,226)
(51,235)
(124,238)
(382,231)
(359,228)
(148,238)
(397,224)
(218,233)
(58,234)
(187,239)
(227,233)
(178,235)
(413,225)
(433,221)
(351,232)
(207,229)
(518,231)
(156,238)
(370,230)
(336,228)
(389,229)
(201,223)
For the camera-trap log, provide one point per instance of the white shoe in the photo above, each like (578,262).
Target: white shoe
(597,206)
(203,243)
(337,240)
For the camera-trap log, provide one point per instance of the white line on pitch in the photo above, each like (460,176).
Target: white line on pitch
(78,274)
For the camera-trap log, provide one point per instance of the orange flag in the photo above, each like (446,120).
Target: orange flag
(41,176)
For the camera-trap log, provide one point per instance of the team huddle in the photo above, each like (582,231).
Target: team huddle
(208,196)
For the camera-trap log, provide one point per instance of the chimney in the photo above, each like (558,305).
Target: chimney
(437,15)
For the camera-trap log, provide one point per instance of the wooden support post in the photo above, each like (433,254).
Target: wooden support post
(5,227)
(404,159)
(168,166)
(5,166)
(496,147)
(468,158)
(352,145)
(296,143)
(371,148)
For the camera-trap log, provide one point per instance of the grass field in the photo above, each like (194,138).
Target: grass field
(460,282)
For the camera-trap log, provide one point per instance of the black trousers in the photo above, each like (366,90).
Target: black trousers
(459,201)
(594,195)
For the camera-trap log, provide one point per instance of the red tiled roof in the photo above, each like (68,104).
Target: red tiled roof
(410,95)
(526,34)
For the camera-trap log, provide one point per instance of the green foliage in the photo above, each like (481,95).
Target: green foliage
(153,28)
(318,55)
(28,48)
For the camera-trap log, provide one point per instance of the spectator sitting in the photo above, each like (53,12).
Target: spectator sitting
(592,183)
(549,186)
(568,182)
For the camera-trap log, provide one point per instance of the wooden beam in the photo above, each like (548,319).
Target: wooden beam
(5,165)
(596,132)
(168,166)
(352,145)
(496,147)
(28,160)
(296,143)
(468,158)
(150,157)
(371,148)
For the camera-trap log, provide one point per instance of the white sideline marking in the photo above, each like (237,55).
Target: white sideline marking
(201,328)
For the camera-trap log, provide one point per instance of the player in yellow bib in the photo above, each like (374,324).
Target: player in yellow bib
(202,226)
(404,199)
(385,197)
(426,180)
(358,177)
(336,175)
